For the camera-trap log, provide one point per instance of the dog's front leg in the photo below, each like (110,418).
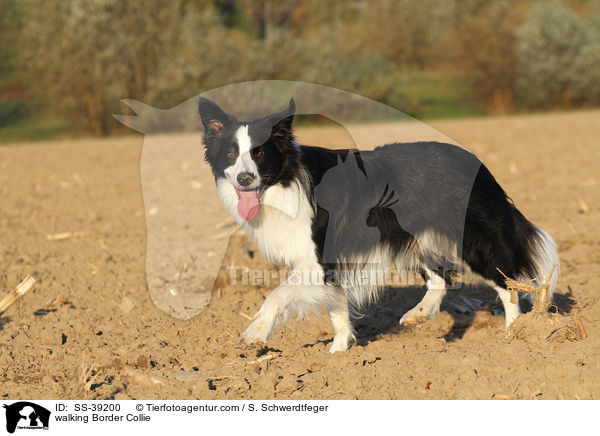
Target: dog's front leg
(303,291)
(276,309)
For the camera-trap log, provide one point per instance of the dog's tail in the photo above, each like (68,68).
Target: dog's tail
(545,261)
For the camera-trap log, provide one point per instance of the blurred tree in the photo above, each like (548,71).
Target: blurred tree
(87,54)
(8,37)
(229,11)
(12,92)
(485,30)
(265,16)
(404,31)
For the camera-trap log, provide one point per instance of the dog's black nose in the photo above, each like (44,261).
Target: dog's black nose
(244,179)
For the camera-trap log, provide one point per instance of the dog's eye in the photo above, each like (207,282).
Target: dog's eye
(261,153)
(231,155)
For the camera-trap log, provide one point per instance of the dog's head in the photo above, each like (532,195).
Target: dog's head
(252,156)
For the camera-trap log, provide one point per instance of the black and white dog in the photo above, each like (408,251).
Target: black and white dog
(330,215)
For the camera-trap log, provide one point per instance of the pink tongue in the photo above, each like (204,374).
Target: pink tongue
(248,204)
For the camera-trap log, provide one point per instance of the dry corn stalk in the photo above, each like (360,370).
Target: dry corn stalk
(541,293)
(24,287)
(64,235)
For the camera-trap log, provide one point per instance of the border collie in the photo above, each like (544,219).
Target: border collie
(283,196)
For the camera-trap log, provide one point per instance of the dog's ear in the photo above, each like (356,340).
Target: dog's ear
(283,127)
(214,119)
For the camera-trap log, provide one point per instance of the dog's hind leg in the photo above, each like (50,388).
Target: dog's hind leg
(511,310)
(340,319)
(429,306)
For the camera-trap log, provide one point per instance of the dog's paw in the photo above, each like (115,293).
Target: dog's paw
(341,343)
(258,331)
(416,315)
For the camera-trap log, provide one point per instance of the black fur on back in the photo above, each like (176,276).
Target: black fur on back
(414,188)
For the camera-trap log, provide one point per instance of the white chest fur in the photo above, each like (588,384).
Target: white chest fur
(282,227)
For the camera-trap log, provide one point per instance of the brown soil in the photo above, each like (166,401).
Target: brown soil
(90,328)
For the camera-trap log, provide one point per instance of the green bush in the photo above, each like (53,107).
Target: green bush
(559,62)
(370,75)
(586,87)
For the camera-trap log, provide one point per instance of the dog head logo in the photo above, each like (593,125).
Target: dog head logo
(26,415)
(187,226)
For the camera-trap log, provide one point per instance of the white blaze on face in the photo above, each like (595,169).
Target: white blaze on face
(249,196)
(244,162)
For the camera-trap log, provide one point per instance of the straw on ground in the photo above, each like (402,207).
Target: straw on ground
(24,287)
